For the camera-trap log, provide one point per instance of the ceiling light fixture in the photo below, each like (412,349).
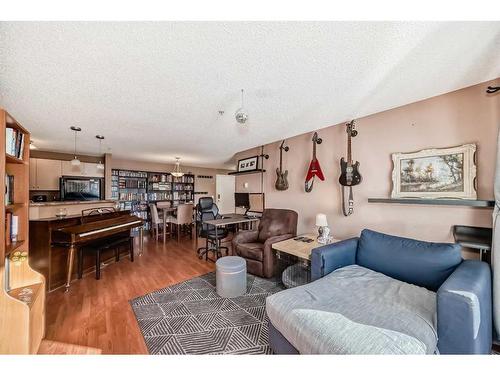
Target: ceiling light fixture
(177,169)
(32,146)
(75,162)
(241,114)
(99,164)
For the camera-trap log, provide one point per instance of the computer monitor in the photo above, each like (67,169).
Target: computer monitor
(241,200)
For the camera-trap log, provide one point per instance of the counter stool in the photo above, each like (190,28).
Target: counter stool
(231,276)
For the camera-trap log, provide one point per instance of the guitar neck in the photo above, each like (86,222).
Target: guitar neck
(349,156)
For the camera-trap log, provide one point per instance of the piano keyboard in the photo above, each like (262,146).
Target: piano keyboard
(109,228)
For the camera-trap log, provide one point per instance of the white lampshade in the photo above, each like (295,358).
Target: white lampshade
(100,166)
(321,220)
(75,162)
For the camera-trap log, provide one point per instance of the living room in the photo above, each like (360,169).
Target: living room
(314,187)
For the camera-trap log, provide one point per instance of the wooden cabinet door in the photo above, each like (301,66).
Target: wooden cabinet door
(47,174)
(91,170)
(70,170)
(32,184)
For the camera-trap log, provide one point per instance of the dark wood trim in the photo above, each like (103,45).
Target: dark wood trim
(437,202)
(39,154)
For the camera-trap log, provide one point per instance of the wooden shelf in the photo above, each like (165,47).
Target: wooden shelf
(13,246)
(477,203)
(13,159)
(247,172)
(36,288)
(14,206)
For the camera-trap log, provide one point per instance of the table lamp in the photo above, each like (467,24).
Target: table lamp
(323,230)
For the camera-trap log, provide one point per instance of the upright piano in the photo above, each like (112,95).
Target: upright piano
(54,242)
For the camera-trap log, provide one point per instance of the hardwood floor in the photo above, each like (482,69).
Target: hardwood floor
(96,313)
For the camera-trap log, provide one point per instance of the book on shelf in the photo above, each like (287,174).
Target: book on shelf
(14,142)
(9,189)
(11,228)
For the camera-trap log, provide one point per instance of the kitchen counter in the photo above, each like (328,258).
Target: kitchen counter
(68,203)
(42,210)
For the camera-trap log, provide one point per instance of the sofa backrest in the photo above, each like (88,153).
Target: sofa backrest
(421,263)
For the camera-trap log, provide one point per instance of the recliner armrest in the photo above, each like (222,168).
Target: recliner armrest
(328,258)
(246,236)
(464,311)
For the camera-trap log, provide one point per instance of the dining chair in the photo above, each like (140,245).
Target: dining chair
(184,218)
(156,223)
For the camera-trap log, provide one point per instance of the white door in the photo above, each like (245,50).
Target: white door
(224,197)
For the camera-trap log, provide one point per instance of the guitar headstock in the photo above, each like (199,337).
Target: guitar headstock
(350,129)
(316,139)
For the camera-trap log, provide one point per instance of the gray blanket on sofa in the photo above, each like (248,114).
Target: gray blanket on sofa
(354,310)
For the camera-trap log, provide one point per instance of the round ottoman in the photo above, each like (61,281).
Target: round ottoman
(231,276)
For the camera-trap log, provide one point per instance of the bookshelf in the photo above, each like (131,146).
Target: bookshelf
(22,290)
(136,189)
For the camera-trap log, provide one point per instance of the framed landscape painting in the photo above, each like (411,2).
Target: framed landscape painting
(435,173)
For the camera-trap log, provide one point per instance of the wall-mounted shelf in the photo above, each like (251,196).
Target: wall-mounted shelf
(247,172)
(436,202)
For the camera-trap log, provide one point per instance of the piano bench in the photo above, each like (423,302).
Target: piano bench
(111,243)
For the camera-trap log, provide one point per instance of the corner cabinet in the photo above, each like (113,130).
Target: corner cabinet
(44,174)
(22,290)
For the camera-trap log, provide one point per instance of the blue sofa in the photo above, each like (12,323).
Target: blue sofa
(463,287)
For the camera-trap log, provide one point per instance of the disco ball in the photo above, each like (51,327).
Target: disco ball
(241,116)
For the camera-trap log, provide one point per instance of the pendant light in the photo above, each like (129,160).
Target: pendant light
(75,162)
(100,165)
(241,114)
(177,169)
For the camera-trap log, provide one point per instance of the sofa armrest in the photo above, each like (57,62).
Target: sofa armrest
(464,315)
(246,236)
(328,258)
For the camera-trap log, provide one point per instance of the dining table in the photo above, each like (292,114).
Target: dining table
(167,212)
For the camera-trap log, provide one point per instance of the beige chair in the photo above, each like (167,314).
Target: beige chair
(156,222)
(184,218)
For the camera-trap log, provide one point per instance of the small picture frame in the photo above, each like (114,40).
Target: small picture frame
(248,164)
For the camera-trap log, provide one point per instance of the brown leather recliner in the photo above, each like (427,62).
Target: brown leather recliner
(255,245)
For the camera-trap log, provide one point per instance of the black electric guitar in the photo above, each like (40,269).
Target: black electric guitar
(281,180)
(350,175)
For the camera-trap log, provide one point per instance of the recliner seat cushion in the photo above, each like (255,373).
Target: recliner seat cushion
(252,250)
(421,263)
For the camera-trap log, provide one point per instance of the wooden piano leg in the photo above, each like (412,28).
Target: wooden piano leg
(141,240)
(71,258)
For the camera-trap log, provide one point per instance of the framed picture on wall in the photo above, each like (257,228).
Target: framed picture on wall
(435,173)
(248,164)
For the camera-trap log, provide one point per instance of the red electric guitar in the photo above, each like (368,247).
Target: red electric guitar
(314,167)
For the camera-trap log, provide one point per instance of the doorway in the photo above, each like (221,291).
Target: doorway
(225,186)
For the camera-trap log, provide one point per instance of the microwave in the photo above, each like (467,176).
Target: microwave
(81,188)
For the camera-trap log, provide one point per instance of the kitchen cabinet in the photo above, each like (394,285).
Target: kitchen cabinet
(44,174)
(33,163)
(83,170)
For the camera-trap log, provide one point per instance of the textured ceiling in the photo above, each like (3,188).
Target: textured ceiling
(154,89)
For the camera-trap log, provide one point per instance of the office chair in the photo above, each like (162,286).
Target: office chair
(206,209)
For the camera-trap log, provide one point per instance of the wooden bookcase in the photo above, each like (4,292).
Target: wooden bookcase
(22,290)
(136,189)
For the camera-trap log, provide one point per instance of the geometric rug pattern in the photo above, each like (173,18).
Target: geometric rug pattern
(191,318)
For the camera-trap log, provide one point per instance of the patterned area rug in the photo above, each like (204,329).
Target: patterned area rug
(191,318)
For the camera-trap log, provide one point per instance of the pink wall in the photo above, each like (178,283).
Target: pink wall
(463,116)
